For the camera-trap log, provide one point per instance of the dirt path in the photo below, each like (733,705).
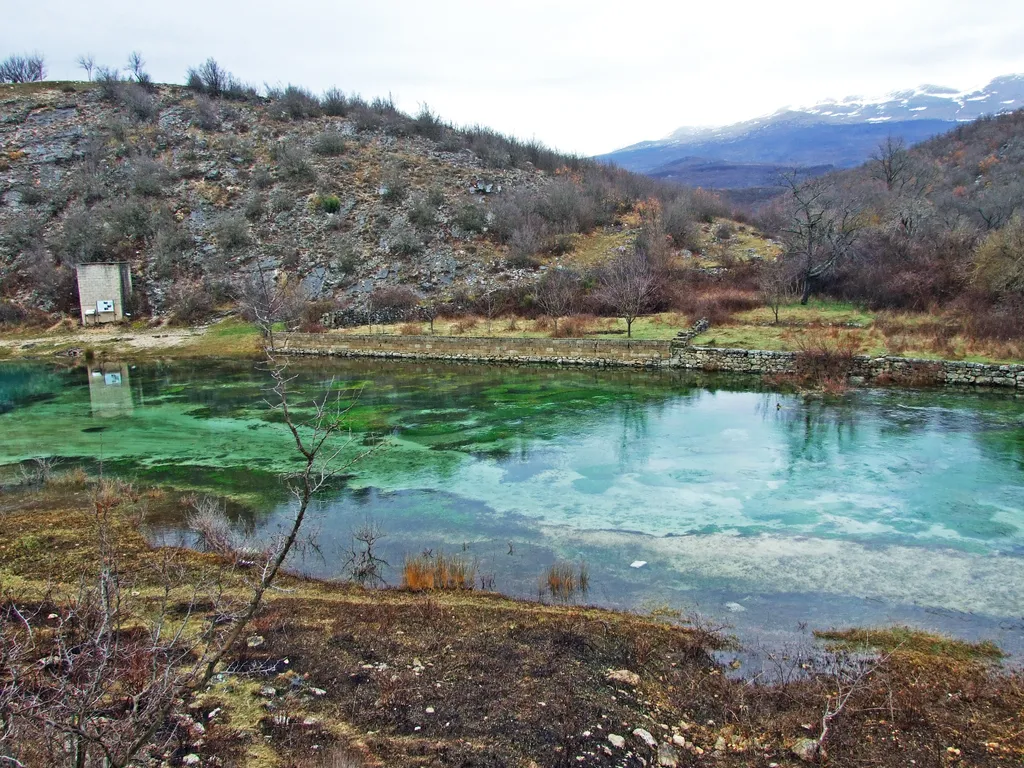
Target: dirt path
(59,340)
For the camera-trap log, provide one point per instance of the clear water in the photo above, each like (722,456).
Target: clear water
(762,510)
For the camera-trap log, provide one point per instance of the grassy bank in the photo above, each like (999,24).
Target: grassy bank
(390,677)
(919,335)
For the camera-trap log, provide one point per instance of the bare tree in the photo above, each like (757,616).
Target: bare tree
(775,285)
(323,458)
(137,68)
(429,310)
(890,162)
(629,285)
(558,293)
(265,302)
(86,62)
(92,679)
(492,303)
(27,68)
(820,230)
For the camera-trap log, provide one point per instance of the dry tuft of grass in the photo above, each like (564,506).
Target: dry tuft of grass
(564,581)
(440,571)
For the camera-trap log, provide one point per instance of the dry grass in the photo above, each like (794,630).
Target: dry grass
(564,581)
(440,571)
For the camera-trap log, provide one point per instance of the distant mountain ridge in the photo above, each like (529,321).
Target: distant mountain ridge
(830,134)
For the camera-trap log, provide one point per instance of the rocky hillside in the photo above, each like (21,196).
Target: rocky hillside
(337,195)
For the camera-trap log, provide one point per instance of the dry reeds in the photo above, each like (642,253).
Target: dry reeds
(440,571)
(564,581)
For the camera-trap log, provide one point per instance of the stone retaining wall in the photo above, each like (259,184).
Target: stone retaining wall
(626,352)
(530,350)
(884,369)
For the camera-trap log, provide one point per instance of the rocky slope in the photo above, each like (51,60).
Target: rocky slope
(196,191)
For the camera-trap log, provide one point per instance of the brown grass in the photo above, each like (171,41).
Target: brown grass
(411,329)
(564,581)
(440,571)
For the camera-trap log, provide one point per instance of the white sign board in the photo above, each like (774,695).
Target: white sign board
(105,306)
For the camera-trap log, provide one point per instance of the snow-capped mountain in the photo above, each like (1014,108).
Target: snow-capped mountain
(832,133)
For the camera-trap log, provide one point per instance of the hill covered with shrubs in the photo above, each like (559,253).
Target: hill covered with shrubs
(336,197)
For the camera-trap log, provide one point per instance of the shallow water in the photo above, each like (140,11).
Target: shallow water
(762,510)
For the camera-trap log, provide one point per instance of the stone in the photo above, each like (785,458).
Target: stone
(645,737)
(616,741)
(191,759)
(735,607)
(255,641)
(678,740)
(623,677)
(805,749)
(268,692)
(638,564)
(667,756)
(318,691)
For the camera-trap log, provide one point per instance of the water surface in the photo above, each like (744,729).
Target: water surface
(767,511)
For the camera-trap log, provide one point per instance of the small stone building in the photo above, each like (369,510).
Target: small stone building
(103,291)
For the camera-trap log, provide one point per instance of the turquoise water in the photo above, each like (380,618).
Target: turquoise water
(760,509)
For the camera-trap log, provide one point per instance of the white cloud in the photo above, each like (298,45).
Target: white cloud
(582,76)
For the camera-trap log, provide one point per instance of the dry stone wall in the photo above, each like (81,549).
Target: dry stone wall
(626,352)
(530,350)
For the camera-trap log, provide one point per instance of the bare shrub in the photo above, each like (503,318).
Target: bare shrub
(427,124)
(207,114)
(558,294)
(293,162)
(470,217)
(422,212)
(715,304)
(149,177)
(231,232)
(295,102)
(137,101)
(394,184)
(329,144)
(334,103)
(402,239)
(213,80)
(209,520)
(190,302)
(825,359)
(26,68)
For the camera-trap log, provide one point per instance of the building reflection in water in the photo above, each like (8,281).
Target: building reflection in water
(110,389)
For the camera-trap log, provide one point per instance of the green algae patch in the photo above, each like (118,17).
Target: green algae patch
(908,640)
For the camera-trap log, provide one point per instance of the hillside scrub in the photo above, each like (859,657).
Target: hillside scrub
(193,185)
(935,227)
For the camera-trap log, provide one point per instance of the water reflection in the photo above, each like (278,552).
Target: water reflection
(110,393)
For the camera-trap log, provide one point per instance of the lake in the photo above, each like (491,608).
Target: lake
(769,512)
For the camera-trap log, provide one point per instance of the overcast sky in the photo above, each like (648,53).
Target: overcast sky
(581,76)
